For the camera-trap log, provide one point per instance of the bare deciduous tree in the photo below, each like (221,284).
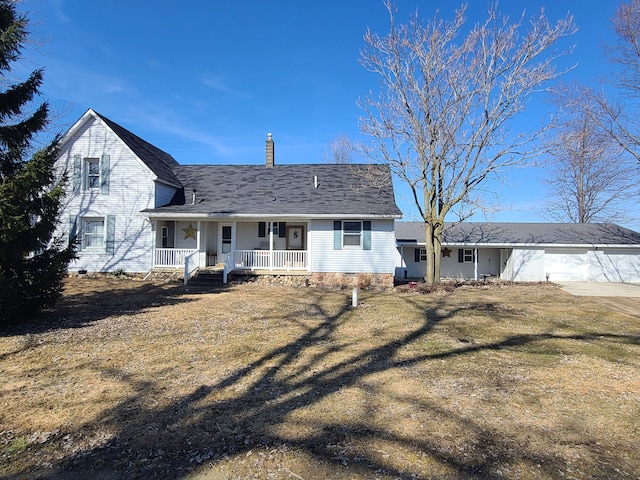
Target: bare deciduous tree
(620,119)
(441,120)
(340,150)
(588,174)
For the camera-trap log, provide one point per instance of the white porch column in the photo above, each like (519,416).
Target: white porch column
(309,244)
(475,263)
(198,239)
(154,241)
(271,224)
(233,236)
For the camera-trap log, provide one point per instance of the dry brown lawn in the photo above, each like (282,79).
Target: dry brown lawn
(128,379)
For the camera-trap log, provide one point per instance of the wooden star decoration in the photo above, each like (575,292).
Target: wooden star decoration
(189,232)
(446,252)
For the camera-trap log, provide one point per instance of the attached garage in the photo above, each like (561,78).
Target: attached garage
(526,252)
(566,264)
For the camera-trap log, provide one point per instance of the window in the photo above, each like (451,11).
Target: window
(92,173)
(423,254)
(279,229)
(93,233)
(465,255)
(351,234)
(165,237)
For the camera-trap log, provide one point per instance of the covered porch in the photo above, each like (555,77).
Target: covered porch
(250,245)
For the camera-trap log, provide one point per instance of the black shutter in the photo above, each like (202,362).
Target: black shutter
(262,229)
(416,255)
(282,229)
(460,255)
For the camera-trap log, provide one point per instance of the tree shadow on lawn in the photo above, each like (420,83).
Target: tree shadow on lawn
(250,413)
(113,298)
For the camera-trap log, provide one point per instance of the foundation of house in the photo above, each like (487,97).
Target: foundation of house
(376,281)
(372,281)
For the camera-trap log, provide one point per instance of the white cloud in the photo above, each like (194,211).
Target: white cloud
(217,82)
(59,11)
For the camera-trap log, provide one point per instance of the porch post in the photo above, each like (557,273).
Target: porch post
(198,238)
(271,224)
(233,236)
(154,241)
(475,263)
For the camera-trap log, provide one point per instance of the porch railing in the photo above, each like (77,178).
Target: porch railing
(270,260)
(190,265)
(172,257)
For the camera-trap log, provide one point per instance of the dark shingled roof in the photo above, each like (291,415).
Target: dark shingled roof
(476,233)
(159,161)
(230,190)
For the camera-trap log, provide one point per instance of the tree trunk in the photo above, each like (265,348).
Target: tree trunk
(433,242)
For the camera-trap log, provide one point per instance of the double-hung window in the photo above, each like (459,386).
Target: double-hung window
(93,233)
(91,173)
(465,255)
(351,234)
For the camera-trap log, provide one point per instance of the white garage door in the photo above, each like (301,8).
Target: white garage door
(566,264)
(614,265)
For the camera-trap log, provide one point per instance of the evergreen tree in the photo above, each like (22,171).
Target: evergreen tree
(32,262)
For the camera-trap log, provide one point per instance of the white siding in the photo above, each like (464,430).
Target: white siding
(181,240)
(380,259)
(164,194)
(131,189)
(614,265)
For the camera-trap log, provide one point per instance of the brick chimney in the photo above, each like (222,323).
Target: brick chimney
(270,151)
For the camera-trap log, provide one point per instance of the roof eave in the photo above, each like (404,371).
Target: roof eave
(194,215)
(406,242)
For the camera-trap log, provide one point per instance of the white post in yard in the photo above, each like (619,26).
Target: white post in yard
(354,297)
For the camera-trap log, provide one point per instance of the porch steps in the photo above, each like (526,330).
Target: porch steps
(208,279)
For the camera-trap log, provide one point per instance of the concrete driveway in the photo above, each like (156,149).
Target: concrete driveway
(594,289)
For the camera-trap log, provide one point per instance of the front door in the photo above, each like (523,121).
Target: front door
(295,237)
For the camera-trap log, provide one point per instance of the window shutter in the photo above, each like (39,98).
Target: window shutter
(416,255)
(104,175)
(282,229)
(337,235)
(460,255)
(73,232)
(77,173)
(111,234)
(262,229)
(366,235)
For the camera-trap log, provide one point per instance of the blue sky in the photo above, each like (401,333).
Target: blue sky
(207,80)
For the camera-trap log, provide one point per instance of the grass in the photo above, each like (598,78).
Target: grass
(128,379)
